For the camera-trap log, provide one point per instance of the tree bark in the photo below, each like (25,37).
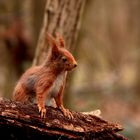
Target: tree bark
(61,16)
(22,121)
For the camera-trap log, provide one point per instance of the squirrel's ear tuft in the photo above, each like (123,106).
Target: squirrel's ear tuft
(61,40)
(52,42)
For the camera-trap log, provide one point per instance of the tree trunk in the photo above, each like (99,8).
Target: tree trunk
(61,16)
(22,121)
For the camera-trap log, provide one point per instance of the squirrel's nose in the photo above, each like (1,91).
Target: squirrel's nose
(75,65)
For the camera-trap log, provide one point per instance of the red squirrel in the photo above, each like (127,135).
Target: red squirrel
(49,78)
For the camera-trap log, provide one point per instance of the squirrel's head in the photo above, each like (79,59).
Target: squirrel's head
(59,55)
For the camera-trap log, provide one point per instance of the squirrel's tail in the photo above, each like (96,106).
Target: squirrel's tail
(20,94)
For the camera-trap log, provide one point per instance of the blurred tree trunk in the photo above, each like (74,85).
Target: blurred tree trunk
(17,44)
(63,17)
(6,14)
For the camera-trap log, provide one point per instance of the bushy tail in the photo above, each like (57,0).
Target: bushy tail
(20,94)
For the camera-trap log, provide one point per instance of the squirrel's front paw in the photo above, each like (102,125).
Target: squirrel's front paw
(42,111)
(66,112)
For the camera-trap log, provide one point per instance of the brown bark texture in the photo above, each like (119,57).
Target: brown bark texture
(62,16)
(22,121)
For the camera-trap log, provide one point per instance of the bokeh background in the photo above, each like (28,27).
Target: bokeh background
(107,51)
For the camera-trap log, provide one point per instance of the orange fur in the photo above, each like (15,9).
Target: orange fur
(48,78)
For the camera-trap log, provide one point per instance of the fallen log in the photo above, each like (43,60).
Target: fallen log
(22,121)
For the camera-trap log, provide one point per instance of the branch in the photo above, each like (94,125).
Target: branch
(22,121)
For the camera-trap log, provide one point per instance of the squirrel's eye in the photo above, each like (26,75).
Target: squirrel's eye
(64,59)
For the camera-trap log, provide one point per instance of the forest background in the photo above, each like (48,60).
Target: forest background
(107,51)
